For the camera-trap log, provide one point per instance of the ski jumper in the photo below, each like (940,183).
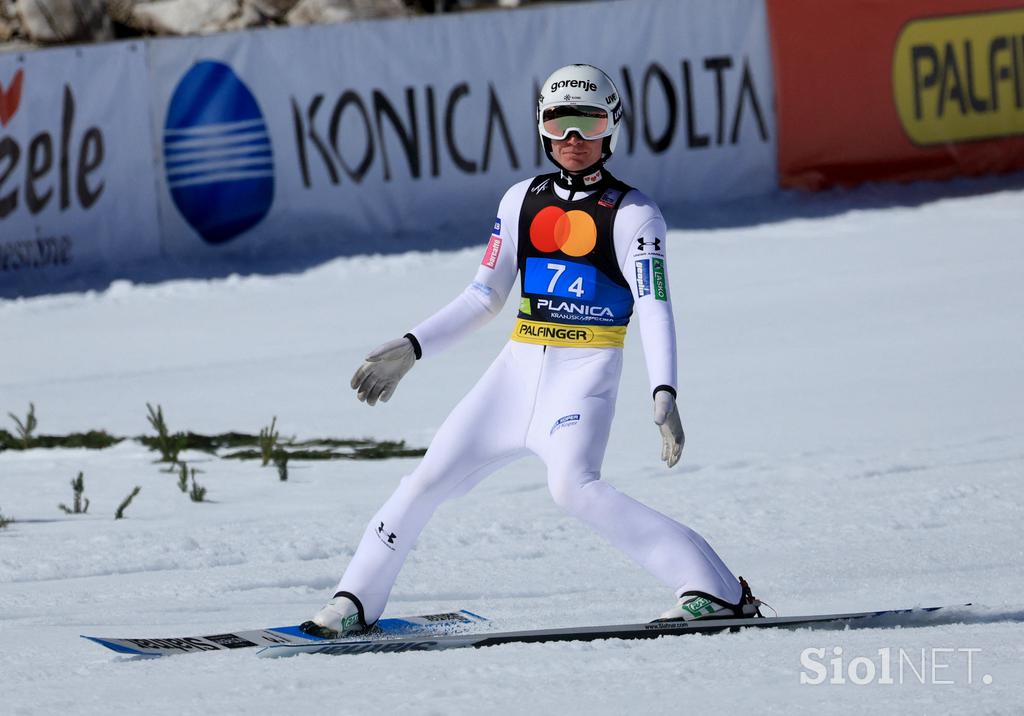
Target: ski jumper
(588,260)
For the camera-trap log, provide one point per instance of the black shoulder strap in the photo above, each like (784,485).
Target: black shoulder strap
(540,194)
(607,201)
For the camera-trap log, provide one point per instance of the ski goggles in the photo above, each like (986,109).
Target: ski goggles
(592,122)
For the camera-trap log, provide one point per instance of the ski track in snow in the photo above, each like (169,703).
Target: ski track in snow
(851,388)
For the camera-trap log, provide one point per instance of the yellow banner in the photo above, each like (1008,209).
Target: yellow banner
(559,334)
(960,77)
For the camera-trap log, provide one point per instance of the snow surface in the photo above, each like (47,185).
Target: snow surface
(851,385)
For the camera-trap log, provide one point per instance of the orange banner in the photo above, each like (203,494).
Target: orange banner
(916,89)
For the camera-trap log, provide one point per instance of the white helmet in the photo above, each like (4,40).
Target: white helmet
(582,99)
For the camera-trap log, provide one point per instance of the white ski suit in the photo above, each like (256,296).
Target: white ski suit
(550,399)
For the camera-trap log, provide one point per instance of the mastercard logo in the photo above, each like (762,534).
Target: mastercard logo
(571,232)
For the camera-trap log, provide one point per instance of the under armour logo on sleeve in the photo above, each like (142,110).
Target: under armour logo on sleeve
(643,243)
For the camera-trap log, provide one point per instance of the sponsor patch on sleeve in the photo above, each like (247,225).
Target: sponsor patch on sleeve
(493,246)
(660,287)
(482,288)
(643,277)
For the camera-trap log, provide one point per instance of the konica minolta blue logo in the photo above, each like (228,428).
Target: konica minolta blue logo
(217,153)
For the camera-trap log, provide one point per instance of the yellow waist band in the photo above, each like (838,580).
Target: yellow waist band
(560,334)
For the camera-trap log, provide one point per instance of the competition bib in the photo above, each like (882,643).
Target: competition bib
(573,293)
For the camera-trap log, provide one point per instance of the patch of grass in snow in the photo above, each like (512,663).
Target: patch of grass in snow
(268,439)
(92,440)
(78,506)
(26,438)
(281,463)
(356,450)
(268,446)
(25,429)
(183,476)
(198,492)
(125,502)
(167,444)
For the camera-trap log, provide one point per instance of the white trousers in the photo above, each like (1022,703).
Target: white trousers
(557,403)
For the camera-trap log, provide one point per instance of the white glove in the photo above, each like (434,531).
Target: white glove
(379,374)
(666,417)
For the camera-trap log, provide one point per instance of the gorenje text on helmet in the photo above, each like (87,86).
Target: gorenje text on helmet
(582,84)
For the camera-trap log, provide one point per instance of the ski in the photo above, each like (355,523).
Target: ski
(424,625)
(922,616)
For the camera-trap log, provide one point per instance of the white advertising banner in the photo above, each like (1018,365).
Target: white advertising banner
(77,182)
(402,134)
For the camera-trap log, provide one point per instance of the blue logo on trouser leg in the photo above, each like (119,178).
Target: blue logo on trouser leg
(564,422)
